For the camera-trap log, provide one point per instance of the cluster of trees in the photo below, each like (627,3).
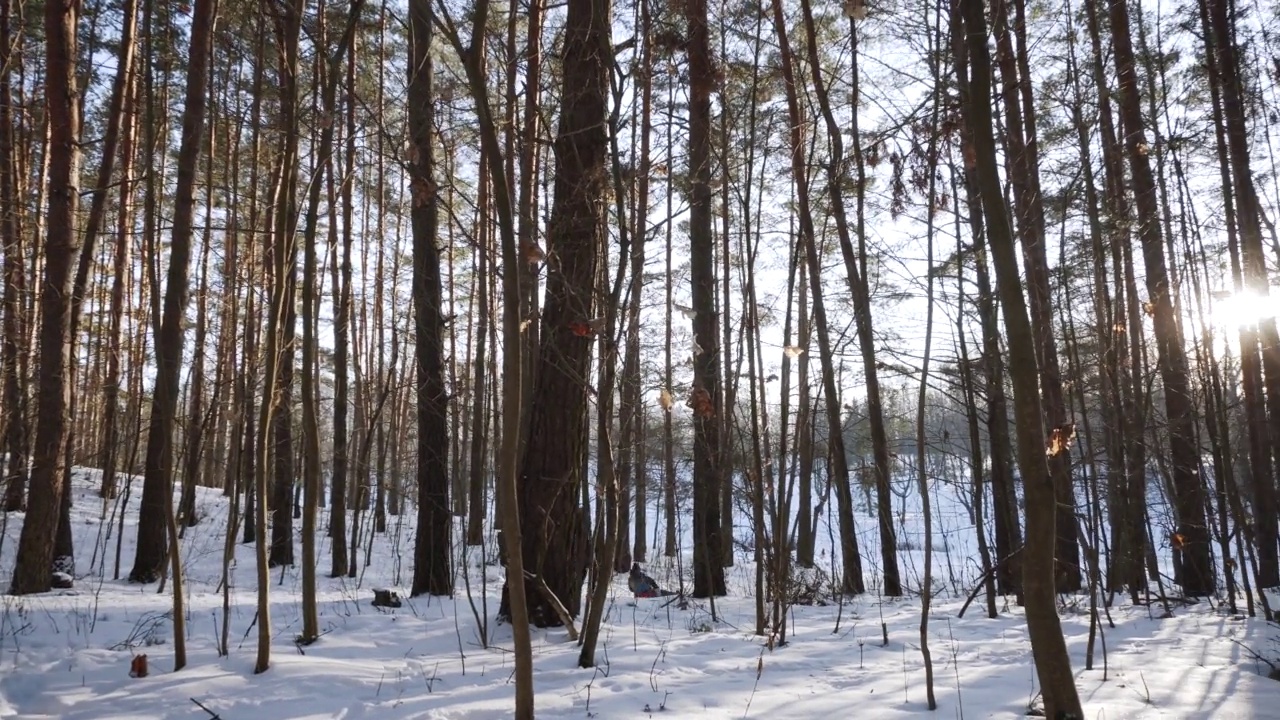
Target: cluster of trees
(548,184)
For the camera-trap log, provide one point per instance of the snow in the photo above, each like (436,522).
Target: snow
(66,654)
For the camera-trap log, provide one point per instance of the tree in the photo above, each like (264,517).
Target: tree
(157,489)
(34,570)
(1197,572)
(431,567)
(1048,647)
(555,539)
(331,73)
(512,365)
(708,571)
(13,481)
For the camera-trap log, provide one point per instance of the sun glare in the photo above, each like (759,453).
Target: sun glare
(1238,310)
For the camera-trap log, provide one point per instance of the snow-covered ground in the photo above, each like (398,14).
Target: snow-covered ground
(67,654)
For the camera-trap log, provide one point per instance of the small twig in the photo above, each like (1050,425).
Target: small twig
(213,715)
(1253,653)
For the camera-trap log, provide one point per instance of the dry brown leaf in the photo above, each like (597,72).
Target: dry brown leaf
(532,253)
(1060,440)
(665,400)
(700,401)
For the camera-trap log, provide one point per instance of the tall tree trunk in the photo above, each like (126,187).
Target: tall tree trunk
(431,567)
(195,430)
(13,444)
(479,389)
(555,539)
(287,26)
(859,286)
(33,571)
(852,581)
(122,272)
(330,74)
(708,540)
(633,407)
(1024,173)
(1048,647)
(512,367)
(1008,535)
(1197,577)
(157,488)
(342,342)
(1220,44)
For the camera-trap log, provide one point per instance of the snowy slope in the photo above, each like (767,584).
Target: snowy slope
(67,654)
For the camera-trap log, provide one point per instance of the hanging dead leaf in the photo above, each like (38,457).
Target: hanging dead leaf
(793,351)
(1060,440)
(1178,540)
(700,401)
(532,253)
(581,329)
(665,400)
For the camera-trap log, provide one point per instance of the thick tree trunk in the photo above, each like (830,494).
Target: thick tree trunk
(157,488)
(1008,535)
(33,571)
(1024,172)
(338,563)
(708,540)
(431,566)
(555,540)
(1197,576)
(1224,67)
(278,427)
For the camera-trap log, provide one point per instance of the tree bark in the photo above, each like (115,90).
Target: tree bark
(431,567)
(551,474)
(708,551)
(33,572)
(158,477)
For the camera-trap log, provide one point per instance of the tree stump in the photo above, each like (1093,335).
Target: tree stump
(383,597)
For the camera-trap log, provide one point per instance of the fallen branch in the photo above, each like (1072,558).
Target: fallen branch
(982,581)
(1253,653)
(212,715)
(555,603)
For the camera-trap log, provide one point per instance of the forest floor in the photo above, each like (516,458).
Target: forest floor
(67,654)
